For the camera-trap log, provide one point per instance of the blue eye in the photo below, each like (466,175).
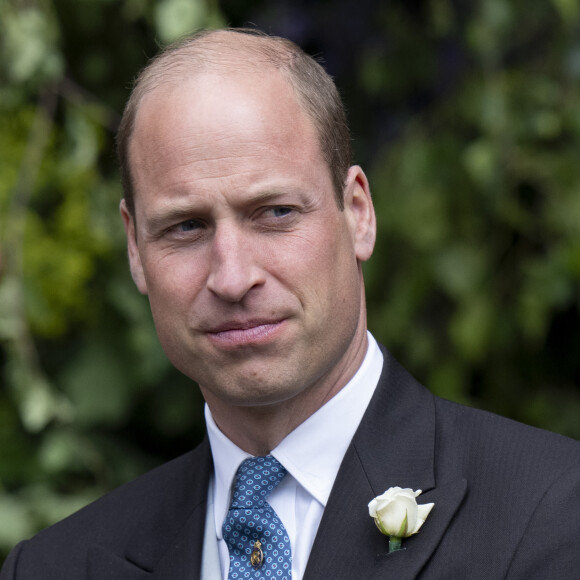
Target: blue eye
(189,226)
(281,211)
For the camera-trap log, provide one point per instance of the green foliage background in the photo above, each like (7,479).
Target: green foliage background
(467,119)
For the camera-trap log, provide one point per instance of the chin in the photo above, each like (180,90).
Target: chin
(252,392)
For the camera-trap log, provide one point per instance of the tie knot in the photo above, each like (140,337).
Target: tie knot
(256,479)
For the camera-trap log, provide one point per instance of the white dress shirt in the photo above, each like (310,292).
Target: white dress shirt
(312,454)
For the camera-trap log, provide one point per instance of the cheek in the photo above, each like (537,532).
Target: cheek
(173,280)
(321,269)
(335,258)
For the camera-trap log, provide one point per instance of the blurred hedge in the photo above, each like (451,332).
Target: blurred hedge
(466,116)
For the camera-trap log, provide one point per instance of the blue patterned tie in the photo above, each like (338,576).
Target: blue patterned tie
(257,540)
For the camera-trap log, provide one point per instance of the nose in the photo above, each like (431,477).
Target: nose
(234,270)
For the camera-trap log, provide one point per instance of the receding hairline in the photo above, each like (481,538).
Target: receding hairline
(243,51)
(166,75)
(182,72)
(218,50)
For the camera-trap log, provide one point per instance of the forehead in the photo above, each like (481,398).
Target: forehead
(214,124)
(222,109)
(239,95)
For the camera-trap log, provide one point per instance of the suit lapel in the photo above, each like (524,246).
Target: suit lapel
(393,446)
(181,561)
(345,545)
(103,563)
(167,545)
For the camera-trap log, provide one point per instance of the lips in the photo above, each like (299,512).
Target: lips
(242,333)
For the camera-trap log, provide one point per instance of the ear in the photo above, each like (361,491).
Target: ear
(132,249)
(360,212)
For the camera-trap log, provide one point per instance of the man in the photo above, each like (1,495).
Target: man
(246,227)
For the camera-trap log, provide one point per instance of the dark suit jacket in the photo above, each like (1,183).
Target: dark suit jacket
(507,504)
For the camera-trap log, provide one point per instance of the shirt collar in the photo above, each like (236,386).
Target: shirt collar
(313,452)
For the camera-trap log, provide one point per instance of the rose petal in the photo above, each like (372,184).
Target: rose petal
(390,509)
(423,511)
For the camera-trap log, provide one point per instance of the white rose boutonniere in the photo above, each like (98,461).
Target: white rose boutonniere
(397,514)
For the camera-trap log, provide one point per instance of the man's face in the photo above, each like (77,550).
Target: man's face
(251,270)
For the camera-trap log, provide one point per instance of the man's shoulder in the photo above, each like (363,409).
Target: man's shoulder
(462,430)
(466,442)
(509,466)
(463,426)
(160,498)
(182,475)
(513,485)
(522,484)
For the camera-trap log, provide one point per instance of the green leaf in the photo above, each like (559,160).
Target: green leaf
(175,18)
